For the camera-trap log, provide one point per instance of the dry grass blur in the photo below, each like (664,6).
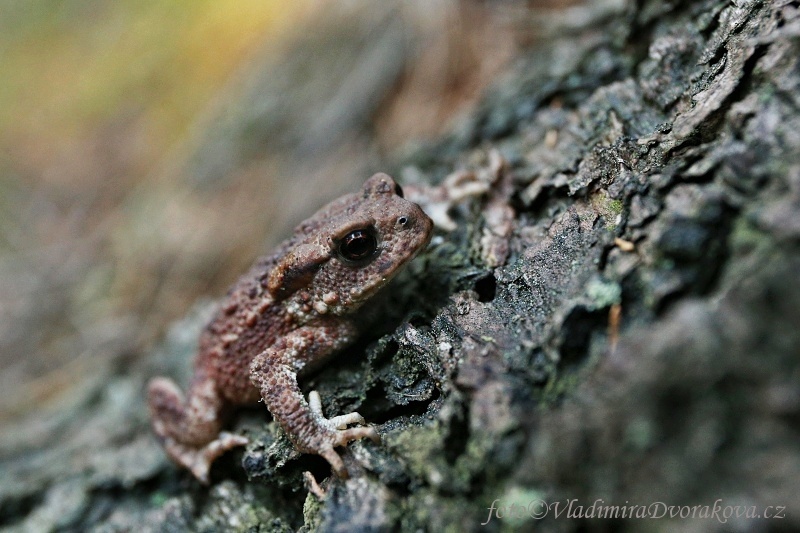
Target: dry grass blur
(130,184)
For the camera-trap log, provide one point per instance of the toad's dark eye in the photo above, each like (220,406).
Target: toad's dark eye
(358,245)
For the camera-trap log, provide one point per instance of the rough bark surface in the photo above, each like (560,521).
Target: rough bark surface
(616,319)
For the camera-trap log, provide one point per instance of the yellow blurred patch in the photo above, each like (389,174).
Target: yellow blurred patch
(70,66)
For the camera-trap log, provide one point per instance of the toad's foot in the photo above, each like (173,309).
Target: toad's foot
(198,460)
(338,434)
(189,428)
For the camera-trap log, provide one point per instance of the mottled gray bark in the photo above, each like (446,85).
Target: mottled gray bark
(616,319)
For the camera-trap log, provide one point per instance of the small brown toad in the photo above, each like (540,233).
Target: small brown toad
(291,311)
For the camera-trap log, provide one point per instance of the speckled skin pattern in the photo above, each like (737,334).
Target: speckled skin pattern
(286,315)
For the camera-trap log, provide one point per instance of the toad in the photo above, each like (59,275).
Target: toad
(294,309)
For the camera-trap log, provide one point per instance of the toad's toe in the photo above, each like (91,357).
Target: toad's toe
(198,460)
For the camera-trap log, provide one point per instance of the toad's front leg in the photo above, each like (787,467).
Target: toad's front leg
(274,372)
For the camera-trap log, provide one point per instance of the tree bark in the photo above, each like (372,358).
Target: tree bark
(616,319)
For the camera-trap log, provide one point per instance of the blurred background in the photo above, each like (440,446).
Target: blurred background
(151,149)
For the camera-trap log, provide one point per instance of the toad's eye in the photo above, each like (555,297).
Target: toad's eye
(358,245)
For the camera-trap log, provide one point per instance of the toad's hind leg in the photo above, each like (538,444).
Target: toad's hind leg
(190,429)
